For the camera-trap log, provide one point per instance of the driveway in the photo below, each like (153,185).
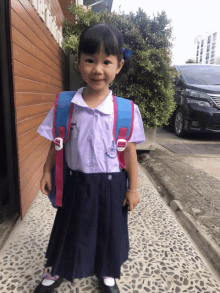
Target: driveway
(200,151)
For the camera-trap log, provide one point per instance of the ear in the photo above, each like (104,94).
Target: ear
(120,65)
(78,63)
(76,67)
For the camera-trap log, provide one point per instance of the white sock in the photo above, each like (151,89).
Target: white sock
(47,282)
(109,281)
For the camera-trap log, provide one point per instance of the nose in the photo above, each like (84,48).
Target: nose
(97,69)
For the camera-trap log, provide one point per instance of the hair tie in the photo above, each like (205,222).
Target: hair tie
(126,53)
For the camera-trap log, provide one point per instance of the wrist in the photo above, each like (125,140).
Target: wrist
(47,169)
(132,190)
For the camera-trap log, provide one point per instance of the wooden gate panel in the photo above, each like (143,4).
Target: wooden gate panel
(30,123)
(40,71)
(23,11)
(28,33)
(24,57)
(19,39)
(25,85)
(29,165)
(25,139)
(27,111)
(30,148)
(26,99)
(27,72)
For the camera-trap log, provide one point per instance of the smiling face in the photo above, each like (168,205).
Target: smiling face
(99,70)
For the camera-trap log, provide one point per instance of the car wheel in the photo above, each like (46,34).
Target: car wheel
(179,123)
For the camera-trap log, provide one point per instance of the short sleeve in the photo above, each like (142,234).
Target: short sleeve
(46,127)
(138,128)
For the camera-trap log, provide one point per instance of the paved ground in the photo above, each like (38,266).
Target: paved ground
(189,183)
(161,258)
(203,152)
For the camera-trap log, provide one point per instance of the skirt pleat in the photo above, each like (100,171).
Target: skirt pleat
(90,231)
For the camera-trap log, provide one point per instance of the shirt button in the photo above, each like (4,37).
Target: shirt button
(89,138)
(91,164)
(109,177)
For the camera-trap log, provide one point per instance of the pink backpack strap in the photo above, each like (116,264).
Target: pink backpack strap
(59,166)
(123,125)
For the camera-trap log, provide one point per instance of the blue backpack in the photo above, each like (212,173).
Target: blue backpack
(63,110)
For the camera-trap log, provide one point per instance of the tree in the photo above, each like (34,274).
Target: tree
(150,80)
(190,61)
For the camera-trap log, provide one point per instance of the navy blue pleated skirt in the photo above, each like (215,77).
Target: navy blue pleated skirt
(90,231)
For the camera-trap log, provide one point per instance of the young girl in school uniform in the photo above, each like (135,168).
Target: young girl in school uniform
(90,232)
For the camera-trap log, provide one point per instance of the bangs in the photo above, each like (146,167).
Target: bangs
(98,36)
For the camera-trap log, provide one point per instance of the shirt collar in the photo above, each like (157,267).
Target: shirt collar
(106,107)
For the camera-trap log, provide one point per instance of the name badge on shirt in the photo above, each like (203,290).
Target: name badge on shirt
(112,151)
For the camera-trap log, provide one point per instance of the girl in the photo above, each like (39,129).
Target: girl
(90,233)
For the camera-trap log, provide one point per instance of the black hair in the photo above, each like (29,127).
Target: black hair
(106,36)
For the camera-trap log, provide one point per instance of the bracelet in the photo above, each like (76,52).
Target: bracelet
(132,190)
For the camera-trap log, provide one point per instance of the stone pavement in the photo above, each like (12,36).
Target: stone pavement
(161,258)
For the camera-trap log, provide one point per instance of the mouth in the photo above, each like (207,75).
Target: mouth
(97,80)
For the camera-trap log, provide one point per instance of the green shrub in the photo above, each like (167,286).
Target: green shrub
(149,83)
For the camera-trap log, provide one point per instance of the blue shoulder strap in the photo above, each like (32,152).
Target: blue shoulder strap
(62,107)
(63,110)
(123,125)
(123,116)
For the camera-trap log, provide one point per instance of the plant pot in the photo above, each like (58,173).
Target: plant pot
(150,137)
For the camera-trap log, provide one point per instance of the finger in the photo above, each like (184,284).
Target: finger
(124,202)
(49,187)
(131,207)
(45,189)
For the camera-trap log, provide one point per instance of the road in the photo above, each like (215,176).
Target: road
(207,149)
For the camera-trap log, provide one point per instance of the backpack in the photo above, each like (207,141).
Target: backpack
(63,110)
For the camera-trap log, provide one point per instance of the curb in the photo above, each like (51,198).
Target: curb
(210,253)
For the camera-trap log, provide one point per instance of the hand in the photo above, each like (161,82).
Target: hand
(132,198)
(46,183)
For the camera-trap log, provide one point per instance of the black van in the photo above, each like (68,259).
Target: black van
(197,95)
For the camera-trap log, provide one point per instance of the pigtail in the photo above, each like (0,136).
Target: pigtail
(128,64)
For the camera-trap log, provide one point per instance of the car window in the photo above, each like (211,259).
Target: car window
(201,75)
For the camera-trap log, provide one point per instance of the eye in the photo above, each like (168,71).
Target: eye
(89,60)
(107,62)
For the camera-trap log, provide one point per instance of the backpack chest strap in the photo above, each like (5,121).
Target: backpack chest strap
(121,141)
